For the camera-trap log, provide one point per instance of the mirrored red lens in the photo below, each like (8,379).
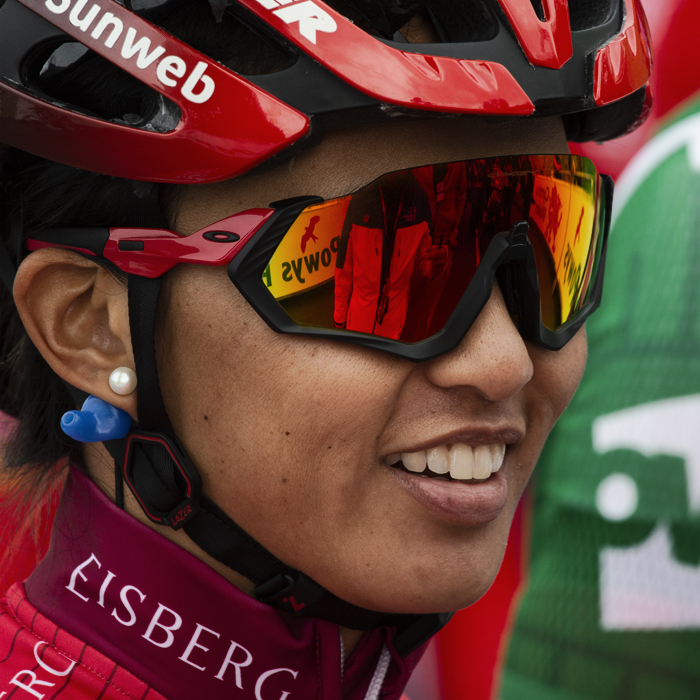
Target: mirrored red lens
(565,218)
(395,258)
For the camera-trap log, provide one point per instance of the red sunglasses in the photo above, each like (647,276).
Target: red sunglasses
(406,263)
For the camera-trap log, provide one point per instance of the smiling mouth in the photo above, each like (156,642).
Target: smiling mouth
(457,462)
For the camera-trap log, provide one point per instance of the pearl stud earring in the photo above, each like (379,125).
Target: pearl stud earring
(123,381)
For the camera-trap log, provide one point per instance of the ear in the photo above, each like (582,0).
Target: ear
(77,315)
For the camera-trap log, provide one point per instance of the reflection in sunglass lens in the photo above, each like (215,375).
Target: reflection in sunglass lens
(395,258)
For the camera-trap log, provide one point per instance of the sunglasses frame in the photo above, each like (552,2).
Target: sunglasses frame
(508,248)
(245,242)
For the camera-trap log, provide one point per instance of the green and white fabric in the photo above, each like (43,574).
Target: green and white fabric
(612,610)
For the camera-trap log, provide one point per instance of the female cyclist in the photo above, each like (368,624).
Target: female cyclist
(324,409)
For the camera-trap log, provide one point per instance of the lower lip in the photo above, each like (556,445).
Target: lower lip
(463,503)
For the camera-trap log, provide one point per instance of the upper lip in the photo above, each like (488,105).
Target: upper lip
(472,436)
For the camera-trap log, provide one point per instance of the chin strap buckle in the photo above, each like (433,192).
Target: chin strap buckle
(289,592)
(169,495)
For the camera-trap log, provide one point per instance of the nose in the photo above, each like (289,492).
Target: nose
(492,357)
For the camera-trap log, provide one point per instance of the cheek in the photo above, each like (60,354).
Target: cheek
(556,377)
(285,433)
(558,374)
(283,429)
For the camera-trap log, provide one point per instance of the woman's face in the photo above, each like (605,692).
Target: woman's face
(292,434)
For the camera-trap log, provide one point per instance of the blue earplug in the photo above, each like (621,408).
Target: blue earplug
(96,421)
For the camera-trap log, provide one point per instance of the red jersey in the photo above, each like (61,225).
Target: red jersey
(115,610)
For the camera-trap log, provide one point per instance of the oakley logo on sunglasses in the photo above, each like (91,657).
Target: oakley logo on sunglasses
(310,16)
(197,87)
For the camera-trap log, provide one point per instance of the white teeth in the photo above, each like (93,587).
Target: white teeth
(438,460)
(498,452)
(461,461)
(414,461)
(482,462)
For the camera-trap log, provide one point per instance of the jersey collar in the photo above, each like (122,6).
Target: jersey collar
(178,625)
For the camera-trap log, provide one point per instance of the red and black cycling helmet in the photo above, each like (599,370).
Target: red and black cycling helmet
(588,60)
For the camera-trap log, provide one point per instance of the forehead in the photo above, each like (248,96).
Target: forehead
(347,160)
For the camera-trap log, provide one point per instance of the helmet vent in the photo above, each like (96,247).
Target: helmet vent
(223,34)
(63,57)
(464,21)
(385,18)
(586,14)
(350,12)
(143,5)
(539,9)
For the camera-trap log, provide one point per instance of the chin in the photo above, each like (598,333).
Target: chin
(441,592)
(431,601)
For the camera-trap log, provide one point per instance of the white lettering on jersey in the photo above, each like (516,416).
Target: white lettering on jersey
(194,642)
(238,665)
(33,680)
(127,605)
(205,648)
(668,427)
(20,679)
(266,675)
(48,668)
(103,588)
(78,571)
(168,629)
